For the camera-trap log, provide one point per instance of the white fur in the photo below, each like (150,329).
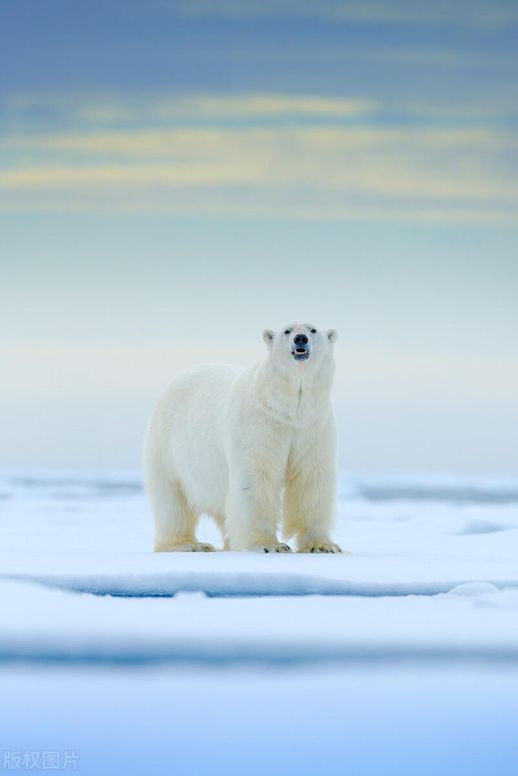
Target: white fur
(234,443)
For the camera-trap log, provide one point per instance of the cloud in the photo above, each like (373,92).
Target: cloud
(111,109)
(337,169)
(209,162)
(150,114)
(263,106)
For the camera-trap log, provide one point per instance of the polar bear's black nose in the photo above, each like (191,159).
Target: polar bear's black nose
(300,340)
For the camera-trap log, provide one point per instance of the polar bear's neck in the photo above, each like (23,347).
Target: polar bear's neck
(293,397)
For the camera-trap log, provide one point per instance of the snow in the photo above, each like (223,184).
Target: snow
(93,534)
(193,628)
(400,657)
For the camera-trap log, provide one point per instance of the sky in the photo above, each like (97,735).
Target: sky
(176,176)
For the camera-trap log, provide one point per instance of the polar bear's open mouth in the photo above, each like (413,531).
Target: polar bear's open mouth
(301,354)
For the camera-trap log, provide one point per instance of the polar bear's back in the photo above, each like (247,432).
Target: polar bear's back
(187,432)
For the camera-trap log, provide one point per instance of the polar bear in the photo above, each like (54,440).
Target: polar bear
(244,446)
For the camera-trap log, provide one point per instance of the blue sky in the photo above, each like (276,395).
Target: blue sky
(177,176)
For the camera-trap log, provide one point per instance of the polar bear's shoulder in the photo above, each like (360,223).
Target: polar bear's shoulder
(206,377)
(197,389)
(209,372)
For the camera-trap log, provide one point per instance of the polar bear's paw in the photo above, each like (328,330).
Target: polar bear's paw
(188,546)
(281,547)
(320,546)
(272,547)
(203,547)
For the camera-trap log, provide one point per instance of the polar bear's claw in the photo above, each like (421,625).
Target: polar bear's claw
(320,547)
(279,547)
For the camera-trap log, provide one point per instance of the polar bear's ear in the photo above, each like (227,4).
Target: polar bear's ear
(332,335)
(268,336)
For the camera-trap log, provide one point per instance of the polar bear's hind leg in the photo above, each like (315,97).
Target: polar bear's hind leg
(175,519)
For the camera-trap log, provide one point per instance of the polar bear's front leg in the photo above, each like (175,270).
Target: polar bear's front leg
(252,513)
(311,491)
(309,511)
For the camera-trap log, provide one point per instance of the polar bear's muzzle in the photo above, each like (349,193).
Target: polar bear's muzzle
(300,348)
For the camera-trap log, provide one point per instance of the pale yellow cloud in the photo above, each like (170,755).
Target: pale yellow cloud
(169,110)
(438,164)
(264,105)
(195,140)
(106,109)
(289,168)
(76,178)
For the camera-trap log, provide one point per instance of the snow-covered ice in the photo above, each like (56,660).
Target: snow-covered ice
(400,657)
(93,534)
(193,628)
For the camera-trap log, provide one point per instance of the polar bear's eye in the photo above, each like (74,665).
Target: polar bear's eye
(313,331)
(287,332)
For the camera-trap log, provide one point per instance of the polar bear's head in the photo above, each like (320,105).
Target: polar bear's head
(300,344)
